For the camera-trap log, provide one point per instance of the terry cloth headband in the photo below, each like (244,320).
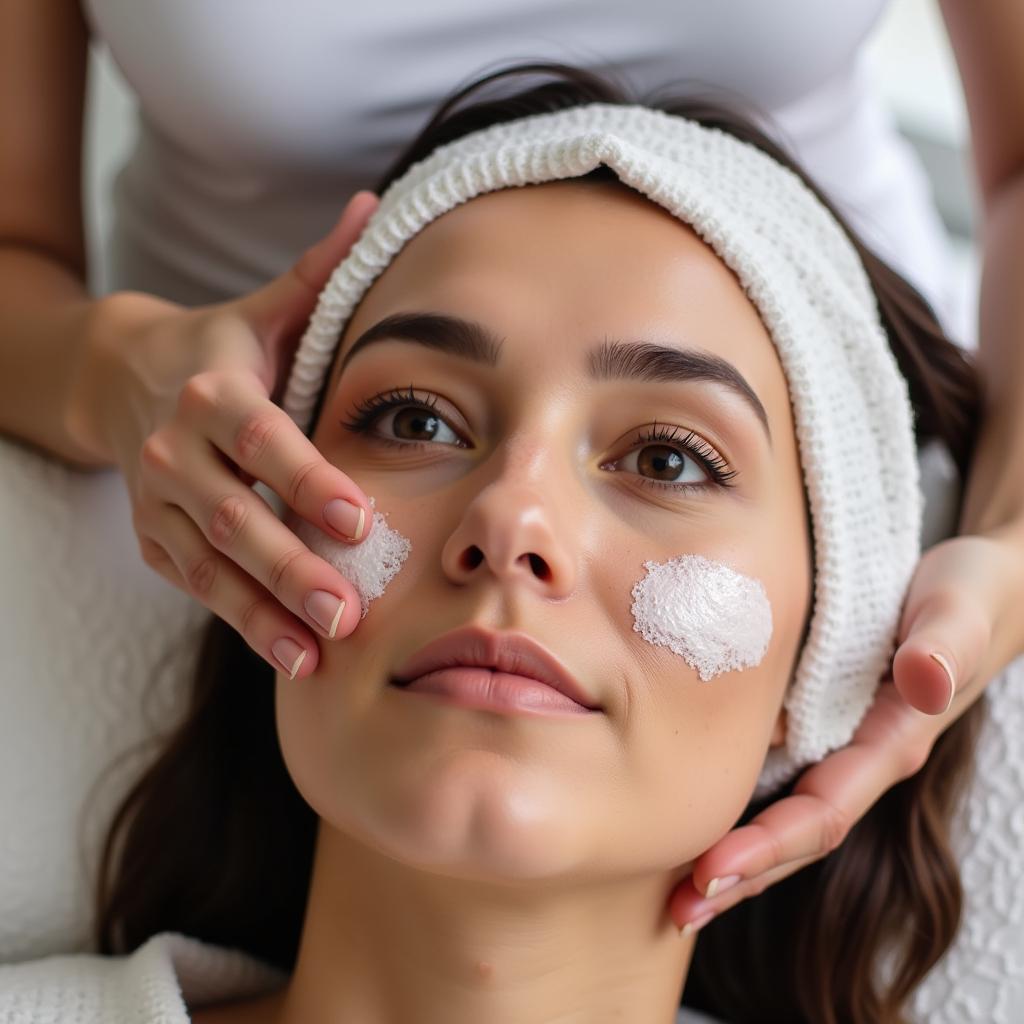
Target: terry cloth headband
(851,405)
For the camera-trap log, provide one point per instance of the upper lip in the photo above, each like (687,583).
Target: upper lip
(504,652)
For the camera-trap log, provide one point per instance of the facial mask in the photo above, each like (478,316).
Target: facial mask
(717,619)
(369,565)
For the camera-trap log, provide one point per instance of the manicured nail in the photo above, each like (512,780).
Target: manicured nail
(692,927)
(325,610)
(949,673)
(346,518)
(719,885)
(289,654)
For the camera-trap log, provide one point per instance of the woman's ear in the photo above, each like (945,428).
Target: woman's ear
(779,732)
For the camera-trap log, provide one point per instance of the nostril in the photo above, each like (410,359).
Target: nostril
(540,567)
(472,557)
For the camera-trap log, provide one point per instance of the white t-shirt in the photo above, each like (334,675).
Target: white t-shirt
(257,123)
(166,977)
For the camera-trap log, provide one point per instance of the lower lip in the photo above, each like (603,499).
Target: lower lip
(469,687)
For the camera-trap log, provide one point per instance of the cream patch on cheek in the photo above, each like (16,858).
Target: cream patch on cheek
(715,618)
(369,565)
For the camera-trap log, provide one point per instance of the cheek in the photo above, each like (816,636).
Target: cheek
(725,645)
(716,619)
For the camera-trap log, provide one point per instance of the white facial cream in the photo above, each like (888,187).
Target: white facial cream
(369,565)
(715,618)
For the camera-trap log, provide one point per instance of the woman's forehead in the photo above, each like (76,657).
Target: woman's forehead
(554,268)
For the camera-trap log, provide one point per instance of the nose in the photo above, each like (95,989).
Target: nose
(511,533)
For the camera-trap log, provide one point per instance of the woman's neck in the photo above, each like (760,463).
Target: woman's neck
(383,943)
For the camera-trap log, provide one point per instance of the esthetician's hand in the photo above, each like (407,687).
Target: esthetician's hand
(962,606)
(183,400)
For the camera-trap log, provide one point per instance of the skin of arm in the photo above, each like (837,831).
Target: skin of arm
(45,308)
(988,41)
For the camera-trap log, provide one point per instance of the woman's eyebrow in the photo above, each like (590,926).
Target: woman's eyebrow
(610,360)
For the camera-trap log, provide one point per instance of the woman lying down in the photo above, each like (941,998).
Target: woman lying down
(639,418)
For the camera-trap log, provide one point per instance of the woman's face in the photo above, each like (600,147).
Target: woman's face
(532,503)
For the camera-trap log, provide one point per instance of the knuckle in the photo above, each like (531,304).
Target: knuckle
(200,574)
(229,516)
(255,436)
(834,827)
(199,391)
(153,554)
(247,619)
(155,453)
(298,480)
(281,566)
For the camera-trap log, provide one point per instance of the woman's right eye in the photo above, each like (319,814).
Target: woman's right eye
(415,423)
(401,420)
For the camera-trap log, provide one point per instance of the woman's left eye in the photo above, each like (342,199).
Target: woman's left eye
(680,463)
(676,463)
(663,465)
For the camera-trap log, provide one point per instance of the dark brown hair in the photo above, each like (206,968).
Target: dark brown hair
(216,842)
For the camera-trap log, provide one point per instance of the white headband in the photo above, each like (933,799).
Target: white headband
(851,405)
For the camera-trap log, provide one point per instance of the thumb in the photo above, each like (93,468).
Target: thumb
(279,311)
(943,643)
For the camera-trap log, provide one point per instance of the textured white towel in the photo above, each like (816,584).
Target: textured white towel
(158,983)
(854,421)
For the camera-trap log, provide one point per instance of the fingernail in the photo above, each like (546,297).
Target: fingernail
(289,654)
(345,517)
(719,885)
(325,610)
(935,656)
(691,927)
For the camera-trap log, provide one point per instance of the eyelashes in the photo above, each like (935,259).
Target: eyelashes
(365,414)
(717,468)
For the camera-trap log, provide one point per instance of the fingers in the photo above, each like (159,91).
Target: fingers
(265,443)
(955,604)
(951,618)
(282,306)
(318,262)
(891,744)
(237,523)
(199,570)
(691,911)
(946,639)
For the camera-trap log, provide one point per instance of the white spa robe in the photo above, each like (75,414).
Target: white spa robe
(257,121)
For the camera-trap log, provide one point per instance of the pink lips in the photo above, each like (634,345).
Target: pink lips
(474,687)
(477,667)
